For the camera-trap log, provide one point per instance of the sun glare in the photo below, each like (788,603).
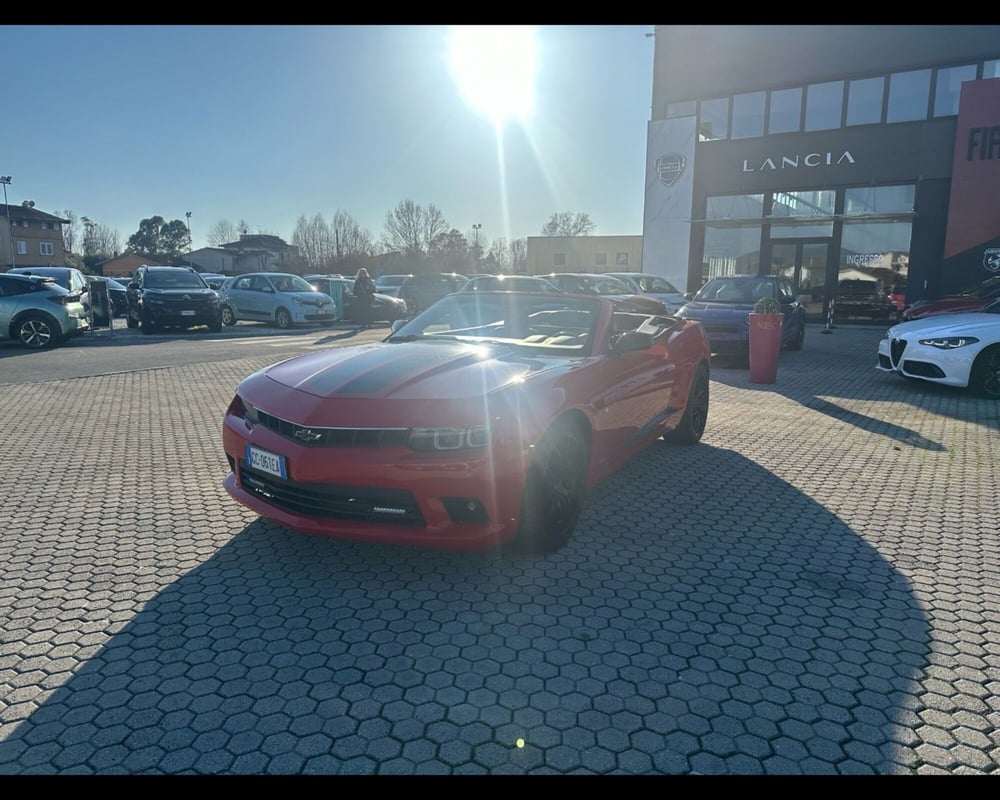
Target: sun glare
(494,66)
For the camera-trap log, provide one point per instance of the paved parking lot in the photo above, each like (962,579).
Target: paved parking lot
(815,588)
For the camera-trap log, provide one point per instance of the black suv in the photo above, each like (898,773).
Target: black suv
(862,298)
(426,288)
(176,297)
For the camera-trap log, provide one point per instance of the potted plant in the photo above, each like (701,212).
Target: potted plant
(766,321)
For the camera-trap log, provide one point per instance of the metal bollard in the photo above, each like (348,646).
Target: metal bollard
(829,317)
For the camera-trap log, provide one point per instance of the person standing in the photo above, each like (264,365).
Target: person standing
(364,295)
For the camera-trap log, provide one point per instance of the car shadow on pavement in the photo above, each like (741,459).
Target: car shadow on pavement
(707,617)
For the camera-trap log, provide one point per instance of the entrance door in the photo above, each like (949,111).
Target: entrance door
(803,262)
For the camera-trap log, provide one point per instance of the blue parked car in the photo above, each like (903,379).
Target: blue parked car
(723,307)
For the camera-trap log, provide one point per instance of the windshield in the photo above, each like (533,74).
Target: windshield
(155,279)
(291,283)
(554,322)
(731,290)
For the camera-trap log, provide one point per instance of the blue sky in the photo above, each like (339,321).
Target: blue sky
(269,123)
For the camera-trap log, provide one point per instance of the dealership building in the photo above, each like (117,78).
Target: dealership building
(823,153)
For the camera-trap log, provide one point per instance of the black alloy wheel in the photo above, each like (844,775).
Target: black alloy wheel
(554,487)
(692,425)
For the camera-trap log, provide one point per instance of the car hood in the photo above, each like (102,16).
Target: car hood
(151,292)
(693,310)
(958,324)
(407,371)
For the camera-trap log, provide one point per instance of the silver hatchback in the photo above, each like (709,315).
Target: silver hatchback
(38,313)
(280,298)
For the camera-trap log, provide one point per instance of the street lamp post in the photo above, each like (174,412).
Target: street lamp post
(475,231)
(190,240)
(5,180)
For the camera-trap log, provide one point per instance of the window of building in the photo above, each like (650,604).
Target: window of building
(559,259)
(731,251)
(601,259)
(824,105)
(621,259)
(991,69)
(879,250)
(868,200)
(948,88)
(22,248)
(909,93)
(713,122)
(736,206)
(685,108)
(748,114)
(785,113)
(864,101)
(798,210)
(45,248)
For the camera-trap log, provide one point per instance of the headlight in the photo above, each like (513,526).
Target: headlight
(949,342)
(298,301)
(250,413)
(428,439)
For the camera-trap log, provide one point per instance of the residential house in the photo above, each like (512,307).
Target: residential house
(124,265)
(30,237)
(254,252)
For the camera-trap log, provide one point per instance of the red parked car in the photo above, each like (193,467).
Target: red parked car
(974,298)
(897,296)
(482,420)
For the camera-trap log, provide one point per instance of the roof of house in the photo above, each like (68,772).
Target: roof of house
(29,212)
(263,241)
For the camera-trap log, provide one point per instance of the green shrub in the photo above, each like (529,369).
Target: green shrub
(767,305)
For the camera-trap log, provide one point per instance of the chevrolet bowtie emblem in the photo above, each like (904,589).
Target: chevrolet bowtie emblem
(307,435)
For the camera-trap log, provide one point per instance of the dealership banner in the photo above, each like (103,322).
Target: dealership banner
(974,210)
(666,226)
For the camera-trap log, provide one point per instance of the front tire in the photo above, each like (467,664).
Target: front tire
(984,379)
(37,332)
(692,424)
(554,487)
(283,319)
(147,324)
(800,337)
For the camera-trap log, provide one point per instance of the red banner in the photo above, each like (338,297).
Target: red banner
(974,210)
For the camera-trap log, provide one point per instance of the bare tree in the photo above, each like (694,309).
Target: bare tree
(351,242)
(70,231)
(222,232)
(567,223)
(410,228)
(315,242)
(107,241)
(518,249)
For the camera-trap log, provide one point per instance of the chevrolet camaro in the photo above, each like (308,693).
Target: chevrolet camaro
(480,422)
(960,349)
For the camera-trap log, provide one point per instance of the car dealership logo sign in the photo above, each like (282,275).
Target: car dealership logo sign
(669,168)
(991,259)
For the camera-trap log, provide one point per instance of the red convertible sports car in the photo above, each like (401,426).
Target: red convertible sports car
(481,421)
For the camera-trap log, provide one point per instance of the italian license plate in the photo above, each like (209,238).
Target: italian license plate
(265,461)
(187,313)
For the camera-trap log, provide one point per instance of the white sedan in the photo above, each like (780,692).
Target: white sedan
(961,349)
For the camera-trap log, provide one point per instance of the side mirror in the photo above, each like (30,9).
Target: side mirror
(396,325)
(133,285)
(689,296)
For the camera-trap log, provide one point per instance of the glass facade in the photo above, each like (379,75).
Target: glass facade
(824,103)
(864,101)
(909,93)
(748,114)
(785,112)
(949,88)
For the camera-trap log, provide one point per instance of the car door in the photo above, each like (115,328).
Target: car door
(239,297)
(261,297)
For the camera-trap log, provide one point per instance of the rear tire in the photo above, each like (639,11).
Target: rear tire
(984,379)
(227,315)
(692,424)
(554,488)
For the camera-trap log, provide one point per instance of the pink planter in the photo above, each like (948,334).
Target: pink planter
(765,346)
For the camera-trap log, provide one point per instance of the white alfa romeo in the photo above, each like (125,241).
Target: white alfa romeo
(960,349)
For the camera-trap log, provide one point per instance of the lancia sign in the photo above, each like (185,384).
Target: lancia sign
(669,168)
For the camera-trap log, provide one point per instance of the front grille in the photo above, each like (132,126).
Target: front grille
(172,303)
(896,348)
(332,501)
(315,317)
(312,436)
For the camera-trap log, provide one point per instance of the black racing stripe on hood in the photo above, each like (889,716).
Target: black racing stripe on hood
(374,370)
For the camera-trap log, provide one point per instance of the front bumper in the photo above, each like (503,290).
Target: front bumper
(914,360)
(462,501)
